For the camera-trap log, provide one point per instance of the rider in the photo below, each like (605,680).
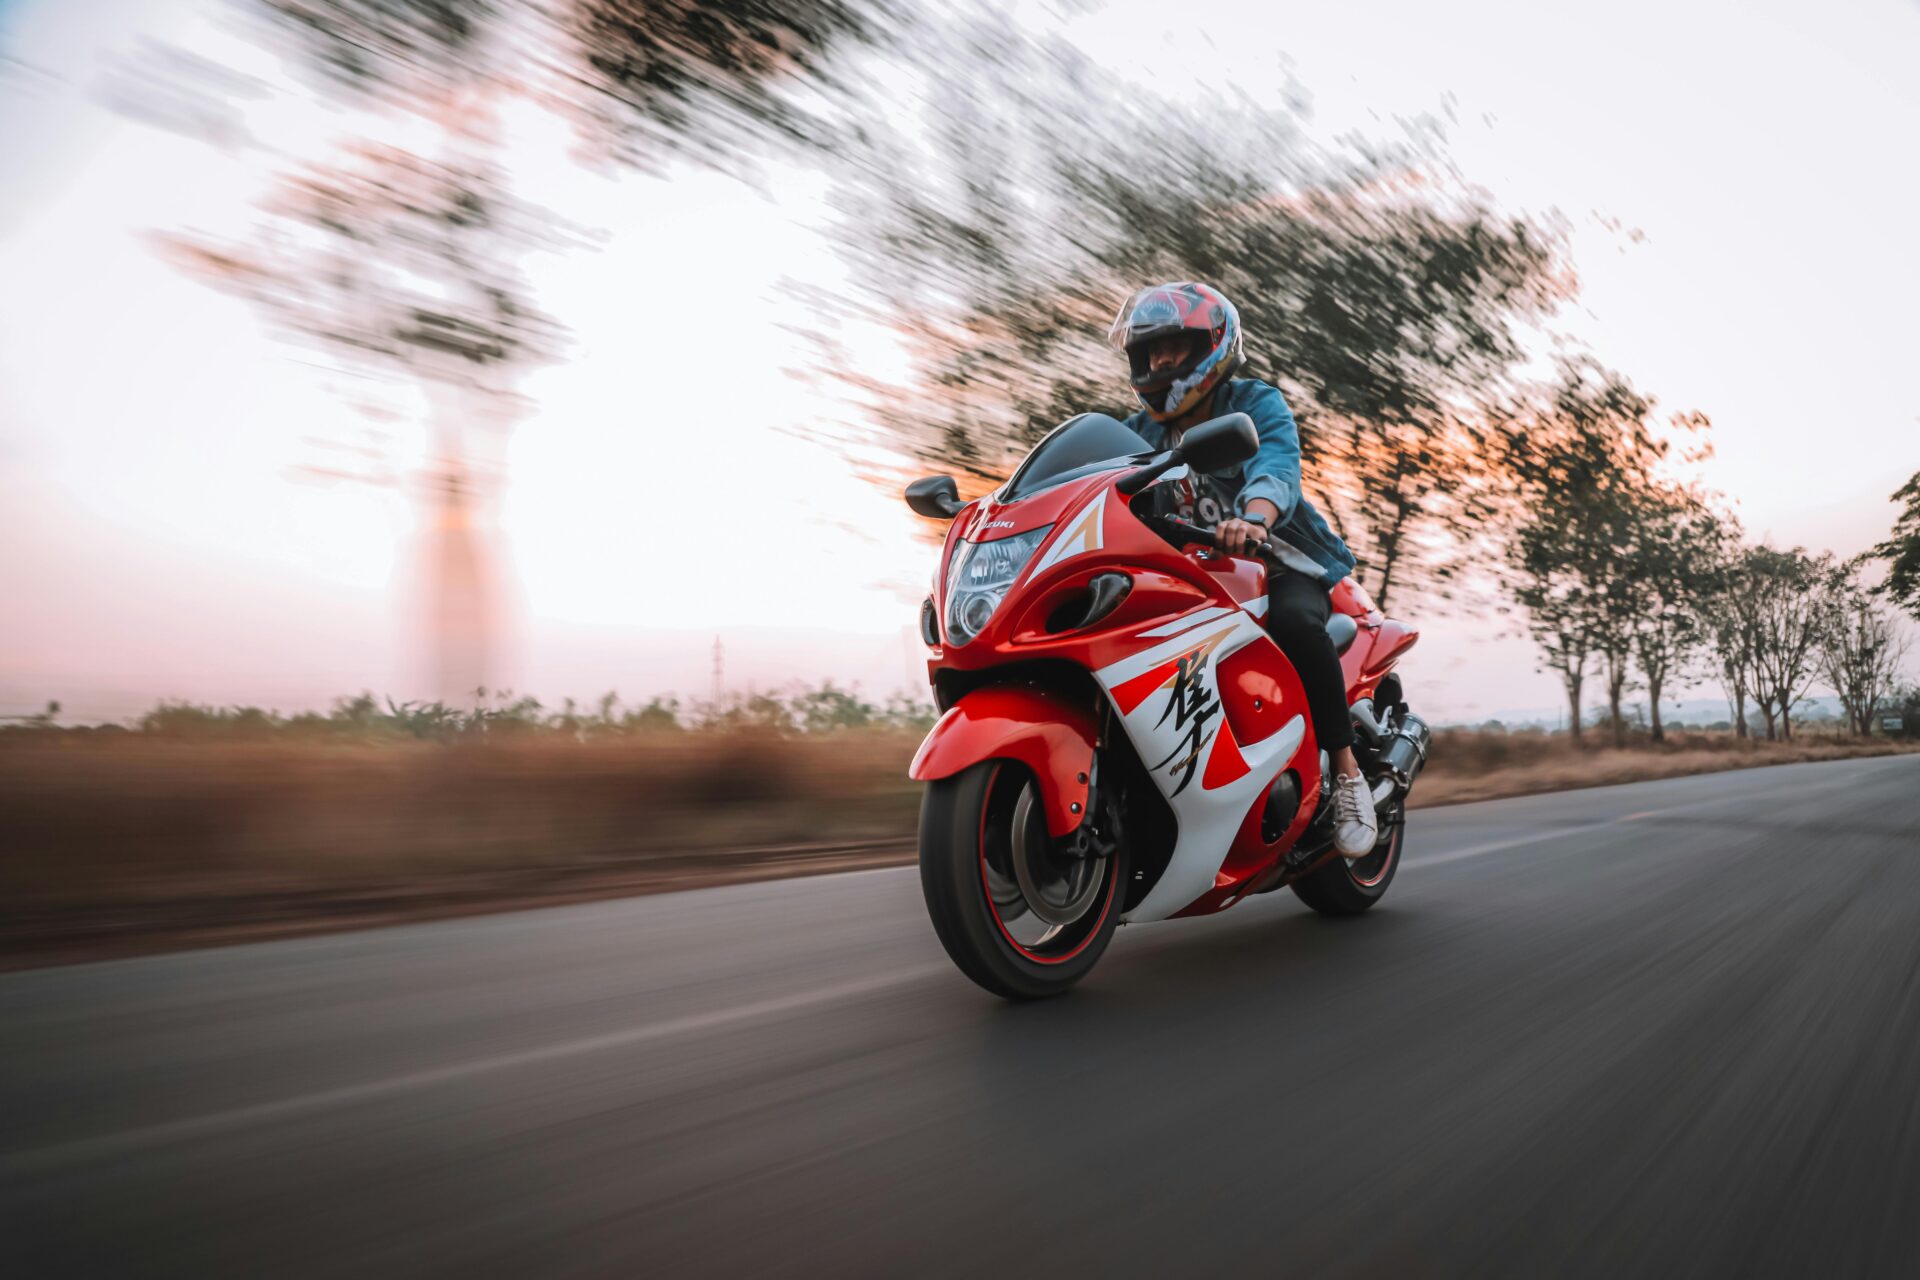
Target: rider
(1183,342)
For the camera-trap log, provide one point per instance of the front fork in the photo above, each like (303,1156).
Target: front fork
(1100,835)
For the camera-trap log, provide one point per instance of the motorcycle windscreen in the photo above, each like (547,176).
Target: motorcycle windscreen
(1077,447)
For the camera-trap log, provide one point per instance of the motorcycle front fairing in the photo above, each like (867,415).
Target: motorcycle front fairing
(1213,710)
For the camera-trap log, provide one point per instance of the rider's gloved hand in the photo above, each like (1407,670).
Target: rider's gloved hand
(1240,537)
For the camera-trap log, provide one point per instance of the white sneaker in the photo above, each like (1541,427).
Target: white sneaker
(1356,828)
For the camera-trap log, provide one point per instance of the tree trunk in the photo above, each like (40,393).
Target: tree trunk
(1617,672)
(1331,512)
(1653,701)
(1573,684)
(1389,544)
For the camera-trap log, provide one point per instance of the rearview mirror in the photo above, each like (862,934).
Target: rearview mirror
(935,497)
(1219,443)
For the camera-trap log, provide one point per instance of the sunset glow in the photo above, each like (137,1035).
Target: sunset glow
(1739,182)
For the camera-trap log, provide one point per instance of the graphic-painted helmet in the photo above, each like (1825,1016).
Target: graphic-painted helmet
(1199,314)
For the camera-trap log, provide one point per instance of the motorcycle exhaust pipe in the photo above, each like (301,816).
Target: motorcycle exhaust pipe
(1404,753)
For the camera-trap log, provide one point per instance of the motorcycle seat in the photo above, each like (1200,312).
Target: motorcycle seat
(1342,629)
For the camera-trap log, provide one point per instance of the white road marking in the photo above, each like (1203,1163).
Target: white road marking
(1539,837)
(216,1122)
(1512,842)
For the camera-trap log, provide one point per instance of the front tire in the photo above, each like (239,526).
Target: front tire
(1348,886)
(1016,918)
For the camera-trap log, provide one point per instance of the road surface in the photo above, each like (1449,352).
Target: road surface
(1661,1029)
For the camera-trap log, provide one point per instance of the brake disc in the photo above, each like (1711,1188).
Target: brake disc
(1057,890)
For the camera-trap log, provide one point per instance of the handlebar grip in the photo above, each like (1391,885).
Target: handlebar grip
(1206,538)
(1191,532)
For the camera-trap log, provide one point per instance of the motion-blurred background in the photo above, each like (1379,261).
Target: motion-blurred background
(416,418)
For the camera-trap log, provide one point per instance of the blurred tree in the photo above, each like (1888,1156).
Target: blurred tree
(1580,466)
(1860,651)
(1730,611)
(1902,550)
(830,707)
(1904,703)
(406,267)
(765,712)
(913,712)
(1789,611)
(659,714)
(645,80)
(713,82)
(1618,622)
(405,261)
(998,233)
(1677,543)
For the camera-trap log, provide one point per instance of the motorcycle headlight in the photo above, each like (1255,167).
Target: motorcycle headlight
(979,578)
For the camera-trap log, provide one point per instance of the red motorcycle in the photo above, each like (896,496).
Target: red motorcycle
(1121,740)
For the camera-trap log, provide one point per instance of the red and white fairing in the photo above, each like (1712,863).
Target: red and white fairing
(1169,700)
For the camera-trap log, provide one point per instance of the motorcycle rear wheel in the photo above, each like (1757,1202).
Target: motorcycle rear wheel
(1348,886)
(1015,917)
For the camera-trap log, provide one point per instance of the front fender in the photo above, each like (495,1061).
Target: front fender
(1043,731)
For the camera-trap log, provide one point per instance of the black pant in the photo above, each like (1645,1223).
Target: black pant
(1297,611)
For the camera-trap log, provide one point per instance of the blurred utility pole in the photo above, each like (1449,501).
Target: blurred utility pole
(460,623)
(719,674)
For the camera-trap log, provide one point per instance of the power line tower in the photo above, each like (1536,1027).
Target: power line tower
(719,674)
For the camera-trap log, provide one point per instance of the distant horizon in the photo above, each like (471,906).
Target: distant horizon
(1678,714)
(1701,710)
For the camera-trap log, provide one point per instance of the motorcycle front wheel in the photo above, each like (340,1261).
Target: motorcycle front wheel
(1016,913)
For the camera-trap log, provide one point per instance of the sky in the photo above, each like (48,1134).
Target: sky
(162,540)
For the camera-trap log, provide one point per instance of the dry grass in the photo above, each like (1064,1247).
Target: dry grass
(86,818)
(123,842)
(1471,765)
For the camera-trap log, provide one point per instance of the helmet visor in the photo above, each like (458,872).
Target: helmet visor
(1146,314)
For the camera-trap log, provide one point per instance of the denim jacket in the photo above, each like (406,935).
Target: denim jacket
(1273,473)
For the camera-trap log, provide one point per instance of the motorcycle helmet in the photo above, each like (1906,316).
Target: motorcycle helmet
(1204,318)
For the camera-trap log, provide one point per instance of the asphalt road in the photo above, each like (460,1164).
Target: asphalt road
(1669,1028)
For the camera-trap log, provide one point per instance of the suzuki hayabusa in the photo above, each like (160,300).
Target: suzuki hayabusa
(1120,740)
